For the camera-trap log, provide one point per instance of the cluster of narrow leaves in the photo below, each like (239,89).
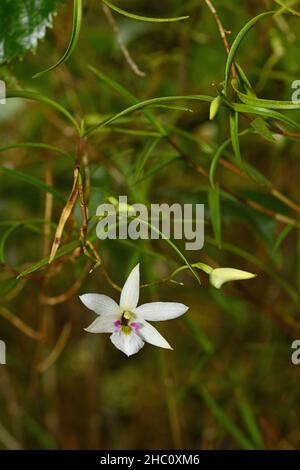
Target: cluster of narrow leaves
(236,96)
(236,101)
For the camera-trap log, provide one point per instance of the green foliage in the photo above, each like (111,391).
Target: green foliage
(142,18)
(77,16)
(22,24)
(201,125)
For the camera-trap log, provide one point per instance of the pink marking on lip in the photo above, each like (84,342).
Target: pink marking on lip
(135,325)
(117,324)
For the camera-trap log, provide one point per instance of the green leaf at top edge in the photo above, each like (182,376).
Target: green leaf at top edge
(22,24)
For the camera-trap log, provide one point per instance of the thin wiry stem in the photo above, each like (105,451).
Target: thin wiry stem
(56,351)
(222,31)
(134,67)
(245,201)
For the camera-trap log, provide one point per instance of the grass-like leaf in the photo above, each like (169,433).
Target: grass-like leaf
(37,145)
(127,95)
(148,103)
(215,212)
(266,113)
(225,421)
(143,18)
(32,181)
(32,95)
(64,250)
(268,104)
(77,17)
(10,230)
(237,42)
(234,133)
(143,157)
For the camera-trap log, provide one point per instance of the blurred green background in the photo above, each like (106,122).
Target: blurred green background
(229,383)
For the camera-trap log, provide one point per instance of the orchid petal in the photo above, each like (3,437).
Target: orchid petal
(127,343)
(100,304)
(152,336)
(158,311)
(131,290)
(102,324)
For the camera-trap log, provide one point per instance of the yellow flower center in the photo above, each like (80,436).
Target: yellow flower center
(126,330)
(125,320)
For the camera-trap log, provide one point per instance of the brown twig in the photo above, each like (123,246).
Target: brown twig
(48,210)
(248,202)
(66,212)
(222,31)
(19,324)
(121,43)
(57,350)
(69,293)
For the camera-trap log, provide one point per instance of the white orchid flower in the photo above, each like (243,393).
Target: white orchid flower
(219,276)
(127,322)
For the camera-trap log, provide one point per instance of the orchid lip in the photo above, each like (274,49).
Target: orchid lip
(132,326)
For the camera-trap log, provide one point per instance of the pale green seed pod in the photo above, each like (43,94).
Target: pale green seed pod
(214,108)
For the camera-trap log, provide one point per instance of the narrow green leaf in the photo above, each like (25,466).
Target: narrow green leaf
(286,7)
(237,42)
(260,126)
(10,230)
(64,250)
(282,236)
(159,166)
(32,95)
(3,240)
(173,246)
(142,18)
(244,80)
(136,132)
(147,103)
(143,157)
(218,154)
(214,163)
(33,181)
(234,133)
(165,238)
(215,212)
(268,104)
(77,17)
(52,148)
(127,95)
(256,175)
(250,422)
(267,113)
(225,421)
(198,334)
(172,107)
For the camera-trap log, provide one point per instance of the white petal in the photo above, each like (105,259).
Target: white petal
(157,311)
(220,275)
(128,344)
(100,304)
(103,324)
(131,290)
(152,336)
